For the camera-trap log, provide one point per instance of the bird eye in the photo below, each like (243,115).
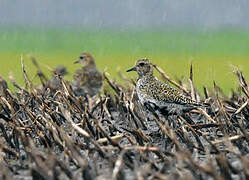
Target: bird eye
(141,64)
(81,57)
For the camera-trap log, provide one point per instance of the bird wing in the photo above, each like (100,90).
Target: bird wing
(81,77)
(96,78)
(168,94)
(87,77)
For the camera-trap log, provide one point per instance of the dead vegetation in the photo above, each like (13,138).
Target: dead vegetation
(47,135)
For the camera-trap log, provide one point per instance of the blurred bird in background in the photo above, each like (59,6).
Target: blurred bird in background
(87,80)
(55,83)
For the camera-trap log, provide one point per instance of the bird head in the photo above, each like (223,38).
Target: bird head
(85,59)
(60,70)
(143,67)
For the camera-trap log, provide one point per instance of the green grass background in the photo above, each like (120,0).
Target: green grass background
(213,53)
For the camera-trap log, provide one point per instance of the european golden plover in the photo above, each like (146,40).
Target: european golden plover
(87,80)
(163,98)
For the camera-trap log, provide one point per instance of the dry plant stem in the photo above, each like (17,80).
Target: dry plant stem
(165,76)
(241,108)
(222,110)
(117,90)
(26,78)
(194,132)
(205,92)
(193,93)
(12,79)
(82,132)
(118,166)
(114,138)
(40,74)
(201,126)
(206,115)
(243,83)
(233,138)
(13,113)
(106,109)
(114,143)
(244,131)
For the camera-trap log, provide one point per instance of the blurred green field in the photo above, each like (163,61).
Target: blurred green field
(213,53)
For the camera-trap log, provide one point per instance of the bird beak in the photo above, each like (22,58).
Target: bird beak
(132,69)
(77,61)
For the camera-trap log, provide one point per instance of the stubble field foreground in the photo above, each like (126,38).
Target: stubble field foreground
(56,135)
(47,135)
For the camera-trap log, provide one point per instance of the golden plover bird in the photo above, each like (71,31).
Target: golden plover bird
(87,80)
(3,87)
(55,84)
(163,98)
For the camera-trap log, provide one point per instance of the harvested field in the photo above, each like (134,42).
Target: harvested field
(47,135)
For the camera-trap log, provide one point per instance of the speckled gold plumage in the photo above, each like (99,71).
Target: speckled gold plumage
(158,94)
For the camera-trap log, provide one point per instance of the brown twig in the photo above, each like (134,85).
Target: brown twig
(165,76)
(25,75)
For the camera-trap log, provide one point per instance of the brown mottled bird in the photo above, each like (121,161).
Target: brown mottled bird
(3,87)
(55,84)
(87,80)
(160,96)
